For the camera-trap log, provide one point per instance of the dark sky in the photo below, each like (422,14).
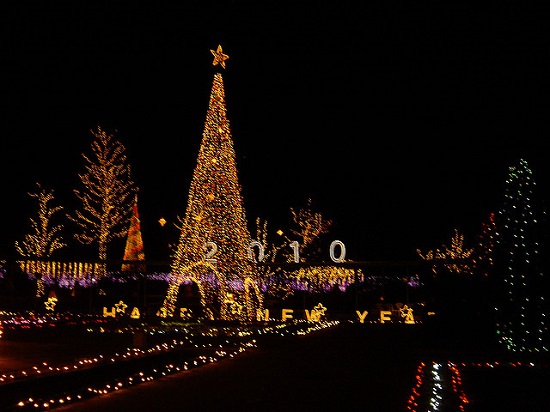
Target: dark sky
(398,119)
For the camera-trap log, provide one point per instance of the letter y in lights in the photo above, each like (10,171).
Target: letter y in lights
(362,315)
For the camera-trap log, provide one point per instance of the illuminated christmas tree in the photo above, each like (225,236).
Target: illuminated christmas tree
(133,251)
(521,324)
(213,248)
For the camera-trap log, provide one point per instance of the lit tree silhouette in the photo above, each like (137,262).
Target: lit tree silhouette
(307,229)
(309,225)
(521,324)
(107,195)
(455,258)
(272,276)
(45,238)
(133,252)
(214,239)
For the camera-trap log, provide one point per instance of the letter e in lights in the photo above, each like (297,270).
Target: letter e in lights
(287,314)
(385,315)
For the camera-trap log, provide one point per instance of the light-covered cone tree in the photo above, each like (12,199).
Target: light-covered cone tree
(134,255)
(522,291)
(214,239)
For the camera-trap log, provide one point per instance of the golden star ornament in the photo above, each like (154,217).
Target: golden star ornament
(219,57)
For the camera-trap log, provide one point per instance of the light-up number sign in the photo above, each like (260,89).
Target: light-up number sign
(252,245)
(342,251)
(295,246)
(211,249)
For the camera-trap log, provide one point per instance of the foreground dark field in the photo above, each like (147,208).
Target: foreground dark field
(344,366)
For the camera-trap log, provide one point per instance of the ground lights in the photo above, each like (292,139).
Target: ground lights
(438,386)
(195,336)
(37,403)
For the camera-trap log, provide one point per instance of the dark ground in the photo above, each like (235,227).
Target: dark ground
(348,367)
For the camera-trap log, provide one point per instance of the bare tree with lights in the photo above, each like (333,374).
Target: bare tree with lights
(107,195)
(273,278)
(45,237)
(307,230)
(454,258)
(309,226)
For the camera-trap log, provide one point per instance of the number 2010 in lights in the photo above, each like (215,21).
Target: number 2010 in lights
(211,249)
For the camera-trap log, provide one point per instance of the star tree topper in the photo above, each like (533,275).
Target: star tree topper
(219,57)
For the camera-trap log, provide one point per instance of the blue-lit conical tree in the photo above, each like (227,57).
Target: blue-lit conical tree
(214,239)
(520,307)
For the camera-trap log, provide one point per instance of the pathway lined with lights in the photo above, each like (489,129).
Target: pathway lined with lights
(48,386)
(278,366)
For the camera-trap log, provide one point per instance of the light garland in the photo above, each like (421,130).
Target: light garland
(227,342)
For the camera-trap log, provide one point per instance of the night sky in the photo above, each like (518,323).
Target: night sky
(398,119)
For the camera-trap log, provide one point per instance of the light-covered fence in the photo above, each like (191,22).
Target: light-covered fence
(75,270)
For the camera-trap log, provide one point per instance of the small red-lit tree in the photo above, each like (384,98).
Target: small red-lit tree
(133,252)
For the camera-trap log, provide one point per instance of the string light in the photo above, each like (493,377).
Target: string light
(227,341)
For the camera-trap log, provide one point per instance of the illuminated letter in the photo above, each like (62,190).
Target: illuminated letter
(385,315)
(135,313)
(211,249)
(362,316)
(287,314)
(342,251)
(262,315)
(296,248)
(260,251)
(106,312)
